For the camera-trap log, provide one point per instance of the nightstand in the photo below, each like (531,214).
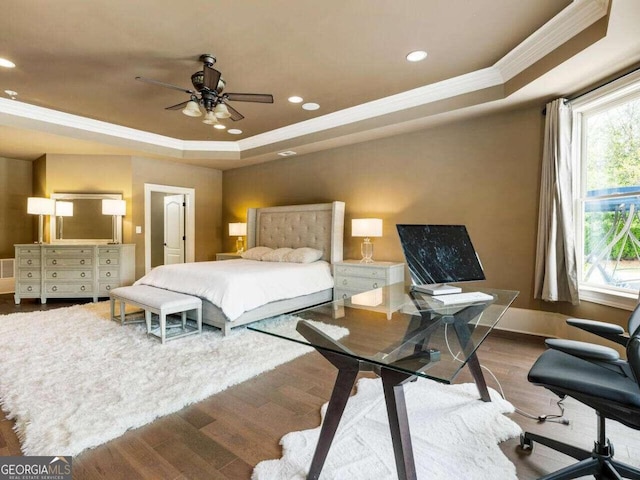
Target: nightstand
(352,277)
(228,256)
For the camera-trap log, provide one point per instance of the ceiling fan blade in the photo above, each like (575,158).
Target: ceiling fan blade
(178,106)
(250,97)
(235,115)
(211,78)
(166,85)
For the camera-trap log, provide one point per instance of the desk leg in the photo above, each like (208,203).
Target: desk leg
(392,383)
(348,369)
(464,337)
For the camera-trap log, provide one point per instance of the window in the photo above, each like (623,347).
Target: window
(607,147)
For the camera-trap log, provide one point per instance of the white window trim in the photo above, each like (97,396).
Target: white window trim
(602,98)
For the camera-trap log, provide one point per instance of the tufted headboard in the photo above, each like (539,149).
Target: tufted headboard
(319,225)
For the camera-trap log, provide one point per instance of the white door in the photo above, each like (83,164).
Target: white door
(174,229)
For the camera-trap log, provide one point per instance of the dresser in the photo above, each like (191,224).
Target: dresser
(72,271)
(352,278)
(227,256)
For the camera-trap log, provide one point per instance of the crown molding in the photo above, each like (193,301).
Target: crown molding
(557,31)
(569,22)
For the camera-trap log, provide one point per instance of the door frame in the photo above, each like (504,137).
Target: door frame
(189,220)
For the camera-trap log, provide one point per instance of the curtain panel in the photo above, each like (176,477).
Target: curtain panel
(556,277)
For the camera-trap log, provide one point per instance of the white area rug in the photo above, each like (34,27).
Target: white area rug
(454,436)
(73,379)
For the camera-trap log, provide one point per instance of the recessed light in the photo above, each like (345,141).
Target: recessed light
(416,56)
(12,93)
(234,131)
(6,63)
(311,106)
(295,99)
(219,126)
(287,153)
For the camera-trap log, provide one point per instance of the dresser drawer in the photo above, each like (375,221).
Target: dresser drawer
(28,274)
(80,252)
(358,283)
(29,288)
(68,274)
(105,287)
(28,252)
(68,262)
(107,273)
(68,288)
(357,271)
(28,262)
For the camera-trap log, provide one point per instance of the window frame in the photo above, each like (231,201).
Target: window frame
(596,101)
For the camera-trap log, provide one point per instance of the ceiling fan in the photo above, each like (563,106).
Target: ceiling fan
(209,93)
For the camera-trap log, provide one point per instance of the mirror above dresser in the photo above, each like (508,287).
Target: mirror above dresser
(87,225)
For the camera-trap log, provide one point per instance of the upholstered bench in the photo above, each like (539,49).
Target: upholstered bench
(162,303)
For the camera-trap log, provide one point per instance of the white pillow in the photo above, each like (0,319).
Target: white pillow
(256,253)
(303,255)
(277,255)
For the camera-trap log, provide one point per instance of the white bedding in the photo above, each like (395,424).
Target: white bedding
(239,285)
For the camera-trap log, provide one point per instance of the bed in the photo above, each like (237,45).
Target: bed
(317,226)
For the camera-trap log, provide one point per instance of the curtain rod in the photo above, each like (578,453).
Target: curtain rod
(603,83)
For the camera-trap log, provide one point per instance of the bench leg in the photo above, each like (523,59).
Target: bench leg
(122,314)
(199,318)
(184,320)
(163,326)
(147,320)
(113,307)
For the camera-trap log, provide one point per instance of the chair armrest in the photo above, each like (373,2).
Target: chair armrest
(612,332)
(587,351)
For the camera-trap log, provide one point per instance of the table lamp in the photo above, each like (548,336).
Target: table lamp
(40,206)
(367,228)
(63,209)
(238,230)
(116,208)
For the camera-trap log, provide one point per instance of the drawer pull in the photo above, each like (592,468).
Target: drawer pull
(54,274)
(82,262)
(29,288)
(344,282)
(82,274)
(344,296)
(54,262)
(83,288)
(108,287)
(29,262)
(54,288)
(108,274)
(108,262)
(375,285)
(29,274)
(374,273)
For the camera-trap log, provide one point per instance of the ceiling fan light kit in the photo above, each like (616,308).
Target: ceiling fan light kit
(209,93)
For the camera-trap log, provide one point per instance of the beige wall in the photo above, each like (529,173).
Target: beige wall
(207,183)
(15,187)
(483,173)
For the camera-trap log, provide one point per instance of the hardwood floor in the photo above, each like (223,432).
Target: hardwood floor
(226,435)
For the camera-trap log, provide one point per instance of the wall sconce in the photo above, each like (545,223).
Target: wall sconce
(366,227)
(238,230)
(116,208)
(63,209)
(40,206)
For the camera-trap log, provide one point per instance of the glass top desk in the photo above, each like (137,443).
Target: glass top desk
(423,338)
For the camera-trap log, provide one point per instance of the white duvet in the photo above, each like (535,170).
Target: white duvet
(237,286)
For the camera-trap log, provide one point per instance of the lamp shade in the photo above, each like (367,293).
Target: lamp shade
(64,209)
(210,118)
(366,227)
(237,229)
(114,207)
(221,111)
(41,206)
(192,109)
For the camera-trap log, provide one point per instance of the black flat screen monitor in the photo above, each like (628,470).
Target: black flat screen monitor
(439,254)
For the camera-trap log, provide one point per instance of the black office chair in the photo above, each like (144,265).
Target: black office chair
(602,381)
